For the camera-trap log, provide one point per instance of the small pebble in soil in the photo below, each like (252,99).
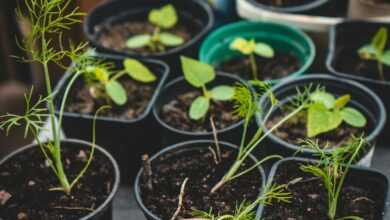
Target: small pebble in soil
(4,197)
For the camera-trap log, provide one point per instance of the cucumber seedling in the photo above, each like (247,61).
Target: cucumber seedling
(251,48)
(376,50)
(102,78)
(326,113)
(163,19)
(332,169)
(198,75)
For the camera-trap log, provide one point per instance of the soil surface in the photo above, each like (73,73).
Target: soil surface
(350,62)
(27,179)
(358,198)
(138,95)
(294,130)
(175,114)
(115,36)
(170,170)
(284,3)
(281,65)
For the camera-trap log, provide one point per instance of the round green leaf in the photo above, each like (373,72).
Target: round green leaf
(138,41)
(197,73)
(138,71)
(165,17)
(264,50)
(353,117)
(199,108)
(116,92)
(222,93)
(325,98)
(171,40)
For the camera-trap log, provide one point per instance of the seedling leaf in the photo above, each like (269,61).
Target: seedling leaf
(199,108)
(138,71)
(222,93)
(379,40)
(342,101)
(367,52)
(321,120)
(138,41)
(165,17)
(196,73)
(323,97)
(100,74)
(116,92)
(264,50)
(353,117)
(243,46)
(385,58)
(171,40)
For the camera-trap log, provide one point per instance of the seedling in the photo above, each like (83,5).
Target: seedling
(246,106)
(102,78)
(163,19)
(376,51)
(198,75)
(332,169)
(326,113)
(252,48)
(48,19)
(247,211)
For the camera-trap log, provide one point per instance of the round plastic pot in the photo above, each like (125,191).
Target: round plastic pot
(193,13)
(105,210)
(125,139)
(347,36)
(363,9)
(177,149)
(171,135)
(363,99)
(378,182)
(215,49)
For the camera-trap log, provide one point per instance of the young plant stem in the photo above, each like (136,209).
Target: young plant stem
(380,70)
(119,75)
(215,135)
(181,198)
(147,171)
(252,58)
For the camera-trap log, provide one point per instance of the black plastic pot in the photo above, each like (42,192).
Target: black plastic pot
(348,36)
(125,139)
(315,7)
(363,99)
(357,175)
(171,135)
(105,210)
(179,148)
(194,13)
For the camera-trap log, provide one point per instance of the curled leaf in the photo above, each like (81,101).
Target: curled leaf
(342,101)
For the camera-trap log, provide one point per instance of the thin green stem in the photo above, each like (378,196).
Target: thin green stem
(381,72)
(119,75)
(253,66)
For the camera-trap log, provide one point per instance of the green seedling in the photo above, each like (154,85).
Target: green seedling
(198,75)
(163,19)
(102,78)
(332,169)
(246,210)
(376,51)
(48,19)
(326,113)
(252,48)
(246,107)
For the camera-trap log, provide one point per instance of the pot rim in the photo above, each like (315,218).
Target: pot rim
(332,53)
(173,51)
(110,158)
(318,77)
(181,79)
(372,4)
(157,89)
(136,188)
(292,9)
(276,165)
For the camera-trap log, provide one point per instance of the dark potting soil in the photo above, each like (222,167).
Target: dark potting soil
(294,130)
(171,169)
(350,62)
(115,36)
(175,114)
(309,197)
(281,65)
(138,95)
(284,3)
(27,178)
